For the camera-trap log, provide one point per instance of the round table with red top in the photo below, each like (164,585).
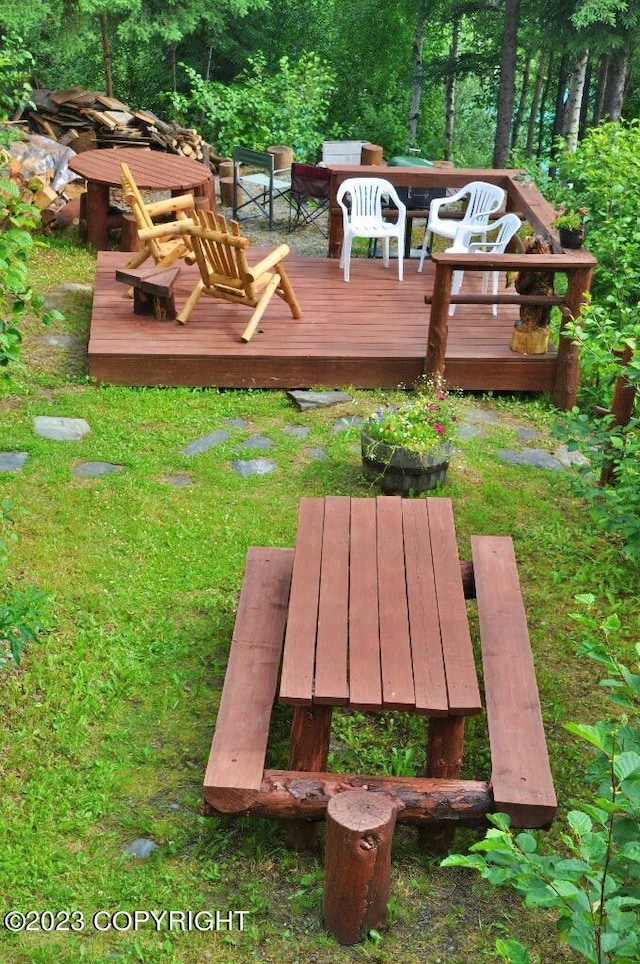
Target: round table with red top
(151,170)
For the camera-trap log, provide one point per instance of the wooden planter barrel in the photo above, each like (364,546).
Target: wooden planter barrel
(400,471)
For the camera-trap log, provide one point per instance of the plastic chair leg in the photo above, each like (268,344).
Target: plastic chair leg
(424,248)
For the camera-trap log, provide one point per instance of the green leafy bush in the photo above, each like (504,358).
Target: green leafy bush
(593,886)
(261,107)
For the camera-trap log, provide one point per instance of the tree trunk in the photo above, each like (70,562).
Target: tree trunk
(600,90)
(106,55)
(416,83)
(559,109)
(450,93)
(535,104)
(584,107)
(571,119)
(519,114)
(507,84)
(542,113)
(616,81)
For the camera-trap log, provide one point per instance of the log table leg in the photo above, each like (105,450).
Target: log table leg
(446,740)
(357,879)
(309,749)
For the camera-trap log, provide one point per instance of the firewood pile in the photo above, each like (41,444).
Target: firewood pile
(83,119)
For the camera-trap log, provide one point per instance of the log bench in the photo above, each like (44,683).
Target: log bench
(236,780)
(152,290)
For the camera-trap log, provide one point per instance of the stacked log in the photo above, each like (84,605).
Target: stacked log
(83,120)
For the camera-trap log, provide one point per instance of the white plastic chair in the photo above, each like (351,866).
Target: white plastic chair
(484,200)
(504,228)
(363,217)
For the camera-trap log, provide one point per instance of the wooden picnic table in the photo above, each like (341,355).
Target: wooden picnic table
(152,170)
(369,612)
(377,621)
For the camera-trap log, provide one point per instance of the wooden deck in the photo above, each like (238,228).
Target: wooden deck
(370,333)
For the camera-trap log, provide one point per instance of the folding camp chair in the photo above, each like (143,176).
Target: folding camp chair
(309,195)
(256,184)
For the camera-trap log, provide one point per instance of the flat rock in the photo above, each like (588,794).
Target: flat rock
(349,421)
(537,458)
(91,469)
(483,415)
(12,461)
(570,457)
(255,442)
(236,422)
(180,479)
(296,431)
(305,400)
(253,467)
(316,453)
(60,429)
(141,847)
(206,442)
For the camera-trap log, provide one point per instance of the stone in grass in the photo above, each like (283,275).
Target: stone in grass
(236,422)
(60,429)
(206,442)
(141,847)
(349,421)
(537,458)
(179,480)
(304,400)
(483,415)
(12,461)
(253,467)
(316,453)
(256,442)
(526,434)
(296,431)
(570,456)
(90,470)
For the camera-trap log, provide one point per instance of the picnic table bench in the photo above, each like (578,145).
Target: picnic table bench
(369,612)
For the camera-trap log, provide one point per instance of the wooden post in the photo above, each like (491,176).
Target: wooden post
(282,157)
(565,390)
(446,742)
(371,154)
(309,750)
(357,881)
(439,319)
(226,184)
(129,240)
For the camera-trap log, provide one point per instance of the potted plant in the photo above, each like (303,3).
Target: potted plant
(406,448)
(570,225)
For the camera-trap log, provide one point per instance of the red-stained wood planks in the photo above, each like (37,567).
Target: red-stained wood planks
(462,681)
(520,772)
(365,684)
(331,672)
(296,683)
(236,762)
(395,646)
(370,333)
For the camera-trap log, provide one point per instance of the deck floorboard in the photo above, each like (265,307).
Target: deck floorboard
(370,333)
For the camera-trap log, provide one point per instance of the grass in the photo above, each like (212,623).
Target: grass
(106,725)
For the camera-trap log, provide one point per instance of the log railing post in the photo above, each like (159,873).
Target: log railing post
(622,405)
(439,321)
(565,391)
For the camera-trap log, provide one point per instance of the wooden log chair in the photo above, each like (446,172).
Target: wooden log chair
(219,251)
(167,247)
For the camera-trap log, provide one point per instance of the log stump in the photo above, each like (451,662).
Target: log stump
(357,882)
(282,156)
(371,154)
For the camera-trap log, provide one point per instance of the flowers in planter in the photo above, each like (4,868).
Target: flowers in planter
(424,422)
(571,219)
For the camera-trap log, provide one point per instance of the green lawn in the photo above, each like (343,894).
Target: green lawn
(105,727)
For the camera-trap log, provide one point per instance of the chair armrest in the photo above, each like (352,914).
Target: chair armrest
(272,259)
(184,226)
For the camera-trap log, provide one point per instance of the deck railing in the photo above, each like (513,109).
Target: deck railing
(524,199)
(578,271)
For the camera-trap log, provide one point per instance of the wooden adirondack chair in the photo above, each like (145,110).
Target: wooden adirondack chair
(167,247)
(219,251)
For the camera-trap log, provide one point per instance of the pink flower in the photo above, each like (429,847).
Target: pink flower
(439,428)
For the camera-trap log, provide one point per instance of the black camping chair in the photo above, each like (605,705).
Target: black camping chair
(309,195)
